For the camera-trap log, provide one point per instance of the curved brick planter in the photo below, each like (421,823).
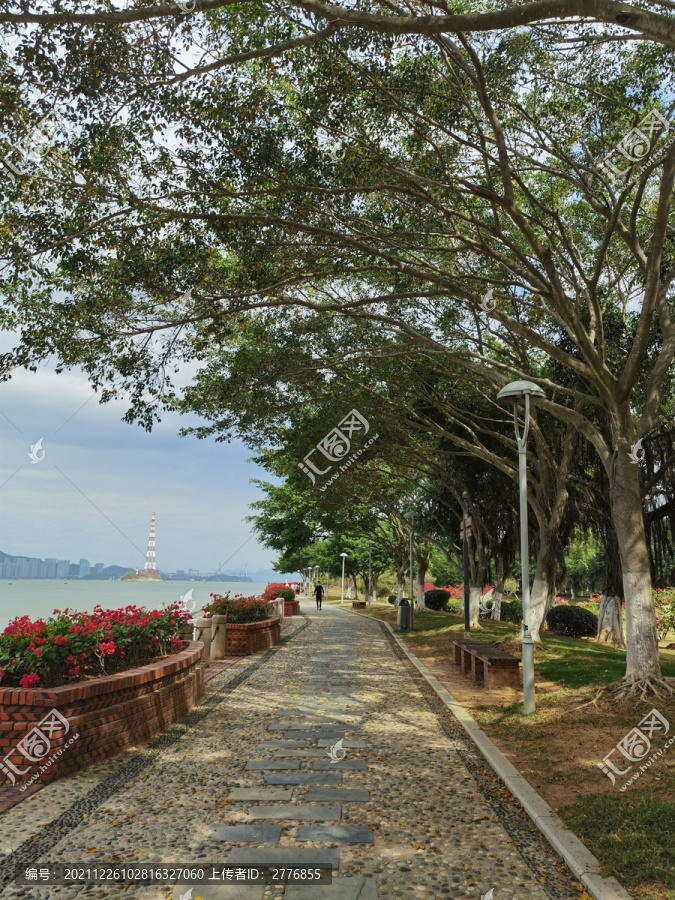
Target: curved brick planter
(249,637)
(67,728)
(291,608)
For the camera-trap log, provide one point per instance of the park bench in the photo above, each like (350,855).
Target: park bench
(494,667)
(358,604)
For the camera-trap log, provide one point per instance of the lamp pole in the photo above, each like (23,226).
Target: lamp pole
(342,594)
(465,563)
(523,390)
(370,572)
(410,515)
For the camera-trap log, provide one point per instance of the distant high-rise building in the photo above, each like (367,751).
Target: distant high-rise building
(193,571)
(98,567)
(180,571)
(50,568)
(74,570)
(62,568)
(85,568)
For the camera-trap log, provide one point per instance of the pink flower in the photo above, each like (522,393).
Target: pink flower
(38,651)
(29,681)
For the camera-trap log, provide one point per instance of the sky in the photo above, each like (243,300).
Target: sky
(93,493)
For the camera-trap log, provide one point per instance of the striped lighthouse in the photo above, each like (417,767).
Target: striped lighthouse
(150,563)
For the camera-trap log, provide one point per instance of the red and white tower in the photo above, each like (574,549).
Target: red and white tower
(150,564)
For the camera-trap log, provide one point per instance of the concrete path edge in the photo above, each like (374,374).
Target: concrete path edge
(577,856)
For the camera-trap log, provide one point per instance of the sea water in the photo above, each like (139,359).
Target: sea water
(37,597)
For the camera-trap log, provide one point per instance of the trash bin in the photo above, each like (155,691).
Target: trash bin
(404,615)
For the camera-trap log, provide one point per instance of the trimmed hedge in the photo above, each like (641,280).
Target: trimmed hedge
(436,599)
(392,599)
(573,621)
(512,611)
(453,605)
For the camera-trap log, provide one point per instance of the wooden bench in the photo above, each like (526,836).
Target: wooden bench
(487,664)
(358,604)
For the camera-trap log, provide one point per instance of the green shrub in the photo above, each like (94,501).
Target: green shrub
(392,599)
(574,621)
(512,611)
(383,591)
(453,604)
(436,599)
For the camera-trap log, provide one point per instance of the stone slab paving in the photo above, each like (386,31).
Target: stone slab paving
(346,834)
(261,794)
(347,743)
(442,824)
(357,888)
(261,833)
(218,892)
(307,753)
(288,745)
(342,795)
(318,735)
(303,812)
(305,778)
(284,856)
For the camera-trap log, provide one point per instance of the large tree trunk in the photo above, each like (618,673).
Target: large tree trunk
(400,582)
(474,606)
(356,587)
(420,590)
(543,587)
(642,651)
(610,621)
(610,614)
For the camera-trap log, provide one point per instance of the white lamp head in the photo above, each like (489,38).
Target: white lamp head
(517,390)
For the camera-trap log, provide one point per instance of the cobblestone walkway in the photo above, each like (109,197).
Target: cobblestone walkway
(411,811)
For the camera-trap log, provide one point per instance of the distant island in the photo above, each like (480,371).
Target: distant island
(139,576)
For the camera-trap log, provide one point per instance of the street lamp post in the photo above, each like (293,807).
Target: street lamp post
(342,594)
(513,392)
(465,564)
(410,515)
(370,571)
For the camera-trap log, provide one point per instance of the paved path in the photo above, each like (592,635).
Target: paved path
(411,811)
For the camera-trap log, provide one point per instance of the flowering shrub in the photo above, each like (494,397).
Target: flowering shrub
(560,601)
(664,604)
(455,593)
(72,646)
(276,589)
(592,604)
(240,609)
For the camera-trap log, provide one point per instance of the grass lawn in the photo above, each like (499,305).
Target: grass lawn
(558,747)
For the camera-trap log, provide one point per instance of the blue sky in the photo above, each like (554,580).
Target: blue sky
(95,466)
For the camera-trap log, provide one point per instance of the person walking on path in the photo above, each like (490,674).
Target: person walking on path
(318,593)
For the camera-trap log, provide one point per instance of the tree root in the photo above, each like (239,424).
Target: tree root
(632,688)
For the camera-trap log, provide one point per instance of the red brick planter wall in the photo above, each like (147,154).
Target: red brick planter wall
(249,637)
(107,715)
(291,608)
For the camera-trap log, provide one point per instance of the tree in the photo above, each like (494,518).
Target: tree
(441,194)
